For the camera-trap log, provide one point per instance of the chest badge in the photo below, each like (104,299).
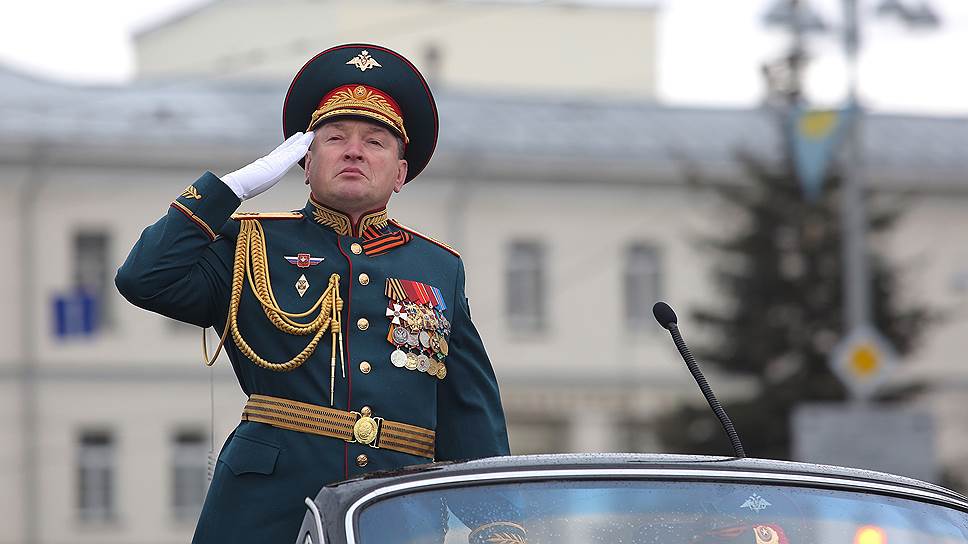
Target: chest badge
(302,285)
(304,260)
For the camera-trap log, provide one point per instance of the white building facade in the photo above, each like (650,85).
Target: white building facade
(572,216)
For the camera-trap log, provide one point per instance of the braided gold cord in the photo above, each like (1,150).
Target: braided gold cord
(251,263)
(257,272)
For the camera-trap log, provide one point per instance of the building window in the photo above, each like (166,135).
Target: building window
(96,473)
(526,286)
(189,477)
(92,271)
(643,269)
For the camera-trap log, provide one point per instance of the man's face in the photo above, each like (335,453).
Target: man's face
(353,165)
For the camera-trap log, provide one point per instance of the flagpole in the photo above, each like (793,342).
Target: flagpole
(853,205)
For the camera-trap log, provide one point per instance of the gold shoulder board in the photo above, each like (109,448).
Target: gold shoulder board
(425,237)
(266,215)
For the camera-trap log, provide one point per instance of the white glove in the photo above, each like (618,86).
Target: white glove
(251,180)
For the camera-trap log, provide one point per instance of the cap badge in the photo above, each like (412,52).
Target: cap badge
(364,61)
(304,260)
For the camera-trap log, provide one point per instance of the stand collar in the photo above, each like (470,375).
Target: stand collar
(340,223)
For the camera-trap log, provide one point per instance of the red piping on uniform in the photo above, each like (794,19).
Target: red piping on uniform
(425,237)
(198,222)
(349,367)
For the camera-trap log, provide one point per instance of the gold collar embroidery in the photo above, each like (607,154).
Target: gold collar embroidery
(341,223)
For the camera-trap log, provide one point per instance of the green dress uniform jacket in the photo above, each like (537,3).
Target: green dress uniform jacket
(181,267)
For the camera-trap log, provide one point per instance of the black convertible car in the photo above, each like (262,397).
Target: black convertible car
(636,498)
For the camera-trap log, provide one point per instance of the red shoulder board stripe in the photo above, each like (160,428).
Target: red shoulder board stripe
(425,237)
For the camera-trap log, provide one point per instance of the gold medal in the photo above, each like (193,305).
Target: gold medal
(411,363)
(442,371)
(434,367)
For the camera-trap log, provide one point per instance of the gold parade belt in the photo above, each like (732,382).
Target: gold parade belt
(360,427)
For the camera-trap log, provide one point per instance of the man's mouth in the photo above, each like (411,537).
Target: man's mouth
(352,170)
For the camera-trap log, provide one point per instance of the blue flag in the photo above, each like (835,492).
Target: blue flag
(817,135)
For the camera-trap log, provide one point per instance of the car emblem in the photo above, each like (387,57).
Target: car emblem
(756,503)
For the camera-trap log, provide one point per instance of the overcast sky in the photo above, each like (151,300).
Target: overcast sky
(709,51)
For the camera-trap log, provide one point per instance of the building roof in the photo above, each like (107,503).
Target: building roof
(513,129)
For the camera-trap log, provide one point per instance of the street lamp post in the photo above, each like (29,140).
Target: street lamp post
(861,339)
(853,210)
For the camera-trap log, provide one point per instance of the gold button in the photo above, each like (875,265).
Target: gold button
(366,411)
(363,324)
(356,248)
(362,460)
(364,279)
(365,367)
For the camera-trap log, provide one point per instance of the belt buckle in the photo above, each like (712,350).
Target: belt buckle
(366,430)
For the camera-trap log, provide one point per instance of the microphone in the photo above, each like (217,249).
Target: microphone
(667,318)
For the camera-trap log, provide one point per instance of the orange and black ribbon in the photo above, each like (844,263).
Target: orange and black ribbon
(377,243)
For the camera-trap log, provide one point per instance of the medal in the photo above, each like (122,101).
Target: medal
(418,328)
(411,363)
(396,314)
(423,363)
(398,358)
(412,339)
(400,336)
(444,325)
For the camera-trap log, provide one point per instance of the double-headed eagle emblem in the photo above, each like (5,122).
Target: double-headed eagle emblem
(364,61)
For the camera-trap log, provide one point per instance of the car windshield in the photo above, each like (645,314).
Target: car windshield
(629,512)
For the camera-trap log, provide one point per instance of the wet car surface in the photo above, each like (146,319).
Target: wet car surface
(634,498)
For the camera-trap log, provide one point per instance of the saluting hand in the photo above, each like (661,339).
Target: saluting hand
(257,177)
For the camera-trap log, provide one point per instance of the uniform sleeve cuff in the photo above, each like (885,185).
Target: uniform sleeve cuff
(208,202)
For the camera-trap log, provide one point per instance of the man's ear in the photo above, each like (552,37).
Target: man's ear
(306,166)
(401,176)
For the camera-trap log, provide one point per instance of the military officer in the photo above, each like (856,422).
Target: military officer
(349,331)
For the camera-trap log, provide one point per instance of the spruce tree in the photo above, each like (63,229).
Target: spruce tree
(780,273)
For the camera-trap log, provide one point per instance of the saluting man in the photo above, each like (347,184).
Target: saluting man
(349,332)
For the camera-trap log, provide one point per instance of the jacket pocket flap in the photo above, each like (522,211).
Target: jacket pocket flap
(244,455)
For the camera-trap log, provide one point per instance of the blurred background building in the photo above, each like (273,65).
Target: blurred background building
(569,190)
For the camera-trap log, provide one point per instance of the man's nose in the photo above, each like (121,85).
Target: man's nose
(354,149)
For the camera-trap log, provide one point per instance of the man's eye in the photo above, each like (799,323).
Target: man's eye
(376,142)
(334,137)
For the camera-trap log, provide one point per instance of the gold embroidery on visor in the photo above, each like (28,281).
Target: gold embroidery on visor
(360,101)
